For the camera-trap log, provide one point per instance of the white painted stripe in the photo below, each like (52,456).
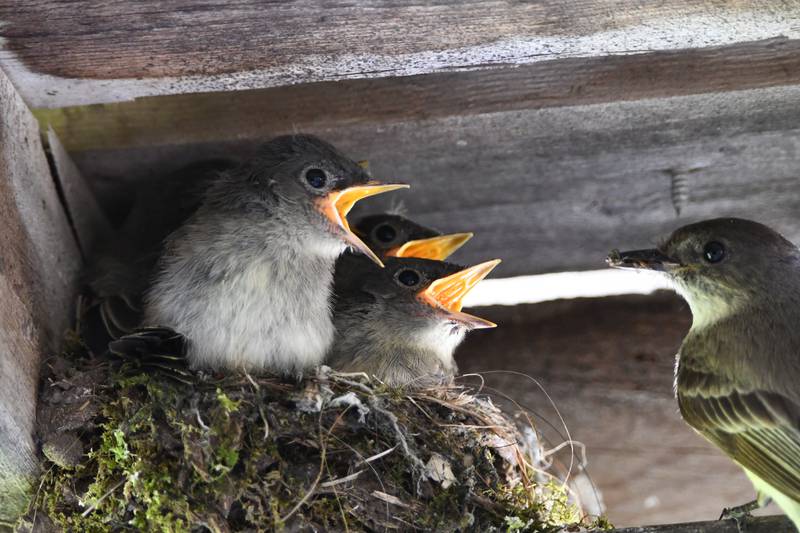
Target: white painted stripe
(725,27)
(564,285)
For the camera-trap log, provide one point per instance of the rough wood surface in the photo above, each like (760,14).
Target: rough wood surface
(608,365)
(547,189)
(61,53)
(83,210)
(213,117)
(39,262)
(765,524)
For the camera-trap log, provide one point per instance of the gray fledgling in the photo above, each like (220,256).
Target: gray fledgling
(738,370)
(247,276)
(395,236)
(402,323)
(119,271)
(390,235)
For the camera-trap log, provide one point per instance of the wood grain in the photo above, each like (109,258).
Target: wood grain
(765,524)
(85,215)
(607,364)
(39,264)
(550,189)
(215,117)
(59,53)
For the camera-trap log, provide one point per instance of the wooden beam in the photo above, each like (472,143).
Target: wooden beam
(85,214)
(764,524)
(39,264)
(88,52)
(607,364)
(216,117)
(545,189)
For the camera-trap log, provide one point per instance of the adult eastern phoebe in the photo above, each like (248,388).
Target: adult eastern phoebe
(246,277)
(738,370)
(402,323)
(390,235)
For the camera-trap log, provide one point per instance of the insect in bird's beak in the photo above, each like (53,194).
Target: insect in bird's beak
(448,293)
(337,204)
(650,259)
(438,248)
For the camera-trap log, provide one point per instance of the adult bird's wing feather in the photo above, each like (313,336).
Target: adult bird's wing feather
(758,429)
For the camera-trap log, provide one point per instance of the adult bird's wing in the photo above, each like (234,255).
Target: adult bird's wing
(758,429)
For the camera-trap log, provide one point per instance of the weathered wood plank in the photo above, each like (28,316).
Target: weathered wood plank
(66,53)
(555,188)
(608,365)
(39,264)
(85,214)
(214,117)
(764,524)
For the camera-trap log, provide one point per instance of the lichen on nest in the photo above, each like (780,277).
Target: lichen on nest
(134,448)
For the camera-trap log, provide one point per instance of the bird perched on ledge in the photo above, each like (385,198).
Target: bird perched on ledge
(402,323)
(738,374)
(247,276)
(390,235)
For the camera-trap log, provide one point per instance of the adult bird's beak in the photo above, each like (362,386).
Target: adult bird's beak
(438,248)
(337,204)
(651,259)
(448,293)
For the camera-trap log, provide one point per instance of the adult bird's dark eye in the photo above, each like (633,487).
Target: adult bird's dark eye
(316,177)
(714,252)
(409,278)
(385,233)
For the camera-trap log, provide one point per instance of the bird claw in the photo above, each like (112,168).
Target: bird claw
(740,514)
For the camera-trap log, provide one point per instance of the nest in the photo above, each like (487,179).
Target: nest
(134,446)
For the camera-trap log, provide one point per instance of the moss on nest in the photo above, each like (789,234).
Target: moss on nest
(334,452)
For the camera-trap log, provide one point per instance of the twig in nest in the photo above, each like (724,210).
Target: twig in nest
(341,480)
(367,462)
(377,456)
(310,490)
(338,500)
(388,498)
(101,498)
(565,481)
(323,442)
(356,384)
(401,438)
(266,423)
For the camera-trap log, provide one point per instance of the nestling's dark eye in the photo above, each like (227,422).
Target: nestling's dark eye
(385,233)
(408,277)
(316,177)
(714,252)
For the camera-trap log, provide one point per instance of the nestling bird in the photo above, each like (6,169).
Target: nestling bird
(738,370)
(390,235)
(402,323)
(247,276)
(118,272)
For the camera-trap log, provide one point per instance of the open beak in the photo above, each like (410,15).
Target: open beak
(438,248)
(448,293)
(652,259)
(337,204)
